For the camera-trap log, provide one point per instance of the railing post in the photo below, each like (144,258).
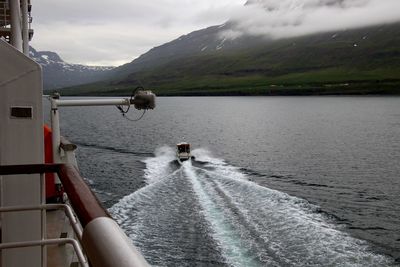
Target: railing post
(55,128)
(25,27)
(43,216)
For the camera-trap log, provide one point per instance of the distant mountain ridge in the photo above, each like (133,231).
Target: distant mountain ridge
(58,74)
(208,41)
(205,63)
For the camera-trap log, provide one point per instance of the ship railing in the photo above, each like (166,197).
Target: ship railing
(102,240)
(67,152)
(44,242)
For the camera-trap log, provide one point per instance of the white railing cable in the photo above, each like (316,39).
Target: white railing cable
(44,242)
(58,241)
(67,209)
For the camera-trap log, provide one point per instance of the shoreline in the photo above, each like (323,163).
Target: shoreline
(311,91)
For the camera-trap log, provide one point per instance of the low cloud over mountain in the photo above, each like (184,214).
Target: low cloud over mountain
(288,18)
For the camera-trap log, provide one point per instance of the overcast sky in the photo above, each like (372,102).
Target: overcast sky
(114,32)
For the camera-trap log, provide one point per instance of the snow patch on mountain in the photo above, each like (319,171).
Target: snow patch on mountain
(58,74)
(221,44)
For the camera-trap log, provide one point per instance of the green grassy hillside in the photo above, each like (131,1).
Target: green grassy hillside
(362,61)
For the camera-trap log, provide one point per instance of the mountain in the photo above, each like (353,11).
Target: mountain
(205,42)
(357,61)
(58,74)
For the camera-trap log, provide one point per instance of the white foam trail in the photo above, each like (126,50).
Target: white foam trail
(223,168)
(234,251)
(121,209)
(158,166)
(252,224)
(290,229)
(156,171)
(204,155)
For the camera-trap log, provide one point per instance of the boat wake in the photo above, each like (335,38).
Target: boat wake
(206,212)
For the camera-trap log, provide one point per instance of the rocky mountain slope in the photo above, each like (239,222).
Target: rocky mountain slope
(362,61)
(57,73)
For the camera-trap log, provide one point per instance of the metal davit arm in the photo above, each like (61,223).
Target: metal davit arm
(103,241)
(141,100)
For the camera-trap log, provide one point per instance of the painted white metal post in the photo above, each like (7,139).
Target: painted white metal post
(55,130)
(16,31)
(43,219)
(25,27)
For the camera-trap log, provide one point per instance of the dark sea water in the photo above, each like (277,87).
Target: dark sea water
(277,181)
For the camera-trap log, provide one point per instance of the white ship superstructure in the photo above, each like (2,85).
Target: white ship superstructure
(34,233)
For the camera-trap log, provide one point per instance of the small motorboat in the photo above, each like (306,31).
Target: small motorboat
(183,151)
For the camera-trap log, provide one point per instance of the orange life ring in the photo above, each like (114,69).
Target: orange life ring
(54,192)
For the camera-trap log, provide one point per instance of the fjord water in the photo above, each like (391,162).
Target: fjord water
(277,181)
